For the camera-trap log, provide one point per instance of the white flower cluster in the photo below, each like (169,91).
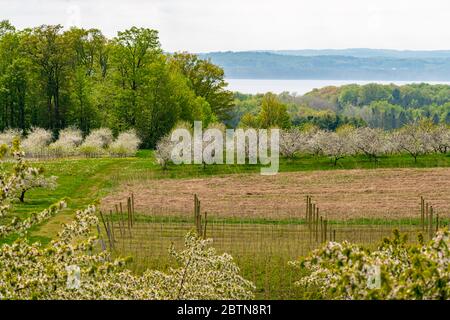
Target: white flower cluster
(15,183)
(73,267)
(99,142)
(33,271)
(414,139)
(164,147)
(20,226)
(345,270)
(126,144)
(163,152)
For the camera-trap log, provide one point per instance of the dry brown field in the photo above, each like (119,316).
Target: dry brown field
(340,194)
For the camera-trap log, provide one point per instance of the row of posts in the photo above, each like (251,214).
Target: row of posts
(426,218)
(318,226)
(124,220)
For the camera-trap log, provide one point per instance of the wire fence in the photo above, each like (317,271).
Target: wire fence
(260,247)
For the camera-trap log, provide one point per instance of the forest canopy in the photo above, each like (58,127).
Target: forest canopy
(374,105)
(55,78)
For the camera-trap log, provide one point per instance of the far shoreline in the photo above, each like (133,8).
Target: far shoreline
(302,86)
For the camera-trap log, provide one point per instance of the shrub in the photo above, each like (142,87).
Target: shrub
(69,139)
(96,142)
(21,178)
(100,138)
(292,141)
(71,268)
(36,142)
(126,144)
(8,135)
(163,151)
(371,142)
(395,270)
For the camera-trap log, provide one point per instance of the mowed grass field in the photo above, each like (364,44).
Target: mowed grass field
(258,219)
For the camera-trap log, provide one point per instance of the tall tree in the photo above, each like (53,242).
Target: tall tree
(207,81)
(273,113)
(50,58)
(133,52)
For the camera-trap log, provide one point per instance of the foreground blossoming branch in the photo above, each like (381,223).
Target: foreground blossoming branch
(33,271)
(73,266)
(395,270)
(23,177)
(17,225)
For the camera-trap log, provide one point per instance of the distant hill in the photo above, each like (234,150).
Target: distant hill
(348,64)
(367,53)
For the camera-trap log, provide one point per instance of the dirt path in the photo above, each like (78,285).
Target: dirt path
(381,193)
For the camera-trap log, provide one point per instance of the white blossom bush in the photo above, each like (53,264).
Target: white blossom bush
(23,177)
(292,141)
(21,226)
(8,135)
(346,271)
(34,271)
(414,139)
(202,274)
(315,144)
(14,183)
(37,141)
(126,144)
(96,142)
(440,139)
(163,151)
(334,145)
(370,142)
(33,179)
(69,139)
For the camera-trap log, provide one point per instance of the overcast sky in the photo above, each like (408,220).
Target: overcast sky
(220,25)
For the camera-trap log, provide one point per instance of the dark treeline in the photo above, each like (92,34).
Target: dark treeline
(54,78)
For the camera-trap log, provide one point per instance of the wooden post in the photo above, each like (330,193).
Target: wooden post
(206,222)
(325,222)
(128,218)
(112,226)
(317,224)
(109,234)
(197,216)
(120,220)
(430,227)
(306,210)
(422,212)
(104,223)
(437,222)
(100,239)
(132,208)
(311,217)
(334,235)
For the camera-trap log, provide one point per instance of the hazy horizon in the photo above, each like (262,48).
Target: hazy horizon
(328,49)
(233,25)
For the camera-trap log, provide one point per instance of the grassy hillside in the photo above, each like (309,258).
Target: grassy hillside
(84,181)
